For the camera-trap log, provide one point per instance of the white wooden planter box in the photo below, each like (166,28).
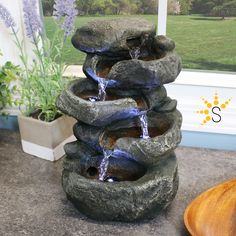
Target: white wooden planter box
(46,139)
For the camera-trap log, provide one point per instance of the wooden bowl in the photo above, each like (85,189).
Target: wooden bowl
(213,213)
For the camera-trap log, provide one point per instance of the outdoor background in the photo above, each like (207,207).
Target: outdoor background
(204,30)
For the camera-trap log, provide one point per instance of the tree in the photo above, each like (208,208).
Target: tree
(98,6)
(149,7)
(174,7)
(185,6)
(225,8)
(220,8)
(125,6)
(109,7)
(200,7)
(84,6)
(47,7)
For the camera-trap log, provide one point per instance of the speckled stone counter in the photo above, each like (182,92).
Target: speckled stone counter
(32,201)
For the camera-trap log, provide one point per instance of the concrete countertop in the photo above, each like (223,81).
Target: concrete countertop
(32,201)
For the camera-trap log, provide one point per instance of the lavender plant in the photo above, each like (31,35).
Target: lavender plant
(64,9)
(42,82)
(6,17)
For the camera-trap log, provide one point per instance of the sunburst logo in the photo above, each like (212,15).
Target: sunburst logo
(213,109)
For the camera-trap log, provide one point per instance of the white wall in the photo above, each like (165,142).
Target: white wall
(7,46)
(188,89)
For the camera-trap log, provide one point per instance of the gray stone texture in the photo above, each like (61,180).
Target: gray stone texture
(135,64)
(150,151)
(146,151)
(166,105)
(84,160)
(88,134)
(126,200)
(155,179)
(33,203)
(103,113)
(109,37)
(163,44)
(109,53)
(141,74)
(93,113)
(137,73)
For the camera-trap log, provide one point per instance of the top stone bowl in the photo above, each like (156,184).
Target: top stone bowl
(126,53)
(110,37)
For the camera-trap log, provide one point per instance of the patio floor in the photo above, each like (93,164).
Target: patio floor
(32,201)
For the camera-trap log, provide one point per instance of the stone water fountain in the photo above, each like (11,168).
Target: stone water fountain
(122,166)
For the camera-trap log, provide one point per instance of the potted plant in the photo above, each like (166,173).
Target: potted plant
(8,74)
(43,128)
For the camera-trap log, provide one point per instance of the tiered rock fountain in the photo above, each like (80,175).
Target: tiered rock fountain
(123,166)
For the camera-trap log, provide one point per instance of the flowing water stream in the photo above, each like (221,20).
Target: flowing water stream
(102,84)
(144,125)
(134,53)
(104,164)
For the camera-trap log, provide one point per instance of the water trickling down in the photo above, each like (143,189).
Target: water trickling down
(107,153)
(102,84)
(93,99)
(110,180)
(104,164)
(144,125)
(134,53)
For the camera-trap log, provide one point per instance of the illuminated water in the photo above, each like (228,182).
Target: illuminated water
(102,84)
(144,125)
(93,99)
(104,164)
(134,53)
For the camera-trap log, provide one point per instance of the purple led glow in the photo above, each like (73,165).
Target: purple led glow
(110,83)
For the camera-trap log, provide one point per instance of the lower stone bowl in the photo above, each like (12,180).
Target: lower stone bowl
(125,135)
(164,132)
(126,200)
(85,160)
(76,102)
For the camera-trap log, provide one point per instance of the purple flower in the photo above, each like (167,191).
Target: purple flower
(32,20)
(68,24)
(65,8)
(6,17)
(59,9)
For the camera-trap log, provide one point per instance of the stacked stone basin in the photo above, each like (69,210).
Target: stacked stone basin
(144,171)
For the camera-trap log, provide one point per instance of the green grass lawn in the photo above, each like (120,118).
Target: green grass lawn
(203,42)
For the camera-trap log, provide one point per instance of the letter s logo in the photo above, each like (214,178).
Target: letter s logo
(217,114)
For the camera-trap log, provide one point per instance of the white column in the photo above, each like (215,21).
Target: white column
(162,17)
(7,45)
